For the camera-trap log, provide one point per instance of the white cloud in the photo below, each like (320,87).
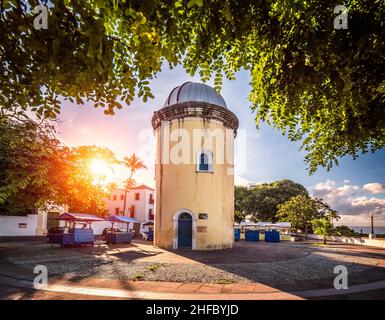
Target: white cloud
(369,205)
(351,202)
(240,181)
(374,188)
(324,186)
(330,191)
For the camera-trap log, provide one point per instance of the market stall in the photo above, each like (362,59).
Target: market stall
(270,232)
(273,231)
(77,229)
(114,236)
(148,231)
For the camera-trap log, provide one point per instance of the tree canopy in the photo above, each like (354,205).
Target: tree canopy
(37,171)
(261,201)
(87,190)
(303,212)
(321,85)
(32,166)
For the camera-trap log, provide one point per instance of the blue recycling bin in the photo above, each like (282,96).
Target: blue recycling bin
(252,235)
(272,236)
(237,234)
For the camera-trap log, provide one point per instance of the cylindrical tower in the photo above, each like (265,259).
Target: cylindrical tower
(194,170)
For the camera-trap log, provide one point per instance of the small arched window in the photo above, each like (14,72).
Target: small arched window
(205,161)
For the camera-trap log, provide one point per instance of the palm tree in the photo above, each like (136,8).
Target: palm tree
(326,211)
(333,215)
(133,164)
(322,227)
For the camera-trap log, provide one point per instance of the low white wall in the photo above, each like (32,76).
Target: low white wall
(353,240)
(99,226)
(9,225)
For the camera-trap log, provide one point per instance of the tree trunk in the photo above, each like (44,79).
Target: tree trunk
(125,199)
(306,231)
(125,192)
(324,240)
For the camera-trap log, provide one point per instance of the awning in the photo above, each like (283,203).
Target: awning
(82,217)
(263,224)
(284,225)
(122,219)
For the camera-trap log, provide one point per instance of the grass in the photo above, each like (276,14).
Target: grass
(138,277)
(141,276)
(154,267)
(224,281)
(317,244)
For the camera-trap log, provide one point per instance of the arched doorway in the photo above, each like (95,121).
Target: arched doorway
(185,230)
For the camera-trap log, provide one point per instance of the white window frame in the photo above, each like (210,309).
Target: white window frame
(210,160)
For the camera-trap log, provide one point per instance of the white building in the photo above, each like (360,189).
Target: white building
(34,224)
(139,203)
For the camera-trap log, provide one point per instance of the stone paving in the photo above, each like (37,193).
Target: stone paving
(248,271)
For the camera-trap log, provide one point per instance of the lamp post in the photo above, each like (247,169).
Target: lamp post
(371,234)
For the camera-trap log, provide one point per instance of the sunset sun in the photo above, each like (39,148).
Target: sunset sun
(100,167)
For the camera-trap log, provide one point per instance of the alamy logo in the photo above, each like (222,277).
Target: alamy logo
(341,280)
(341,21)
(41,280)
(41,20)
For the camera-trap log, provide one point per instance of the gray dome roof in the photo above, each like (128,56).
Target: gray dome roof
(193,91)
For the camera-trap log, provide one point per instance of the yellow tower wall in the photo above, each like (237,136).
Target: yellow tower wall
(180,187)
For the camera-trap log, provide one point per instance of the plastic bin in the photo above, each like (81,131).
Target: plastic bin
(252,235)
(237,234)
(272,236)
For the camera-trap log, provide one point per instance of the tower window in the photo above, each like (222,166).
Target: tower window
(205,161)
(150,214)
(203,216)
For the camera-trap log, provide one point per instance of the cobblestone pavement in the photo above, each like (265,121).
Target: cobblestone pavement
(284,266)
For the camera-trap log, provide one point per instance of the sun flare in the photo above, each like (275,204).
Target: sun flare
(99,167)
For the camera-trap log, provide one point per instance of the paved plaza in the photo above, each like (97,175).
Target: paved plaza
(250,270)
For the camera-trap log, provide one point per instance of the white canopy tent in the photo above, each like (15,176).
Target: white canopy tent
(282,226)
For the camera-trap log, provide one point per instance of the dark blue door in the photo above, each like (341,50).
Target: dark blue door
(185,230)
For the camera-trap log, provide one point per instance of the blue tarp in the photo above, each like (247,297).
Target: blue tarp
(122,219)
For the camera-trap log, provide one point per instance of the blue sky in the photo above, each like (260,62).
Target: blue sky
(355,187)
